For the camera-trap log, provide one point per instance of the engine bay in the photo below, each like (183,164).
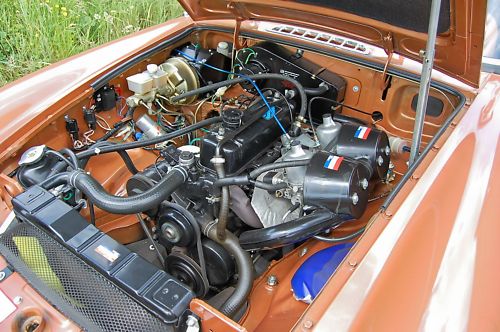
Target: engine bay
(238,175)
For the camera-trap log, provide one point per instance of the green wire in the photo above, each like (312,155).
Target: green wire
(248,57)
(194,140)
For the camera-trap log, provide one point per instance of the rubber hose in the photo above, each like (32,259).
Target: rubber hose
(71,155)
(244,266)
(232,181)
(290,232)
(123,154)
(282,164)
(59,167)
(62,158)
(211,87)
(224,201)
(128,205)
(313,92)
(55,180)
(268,186)
(128,162)
(147,142)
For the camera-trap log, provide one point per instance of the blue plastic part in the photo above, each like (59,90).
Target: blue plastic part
(138,136)
(270,113)
(313,274)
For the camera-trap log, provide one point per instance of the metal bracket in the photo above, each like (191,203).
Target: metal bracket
(238,12)
(389,49)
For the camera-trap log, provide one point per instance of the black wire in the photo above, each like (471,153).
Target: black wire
(156,166)
(343,238)
(71,155)
(147,142)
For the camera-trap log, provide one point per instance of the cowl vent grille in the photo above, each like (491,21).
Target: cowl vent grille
(322,38)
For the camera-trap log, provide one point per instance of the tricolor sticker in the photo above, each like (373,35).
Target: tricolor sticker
(362,132)
(333,162)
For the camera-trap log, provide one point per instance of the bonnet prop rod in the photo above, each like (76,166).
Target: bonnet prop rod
(425,80)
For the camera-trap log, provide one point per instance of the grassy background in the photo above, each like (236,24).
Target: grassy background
(36,33)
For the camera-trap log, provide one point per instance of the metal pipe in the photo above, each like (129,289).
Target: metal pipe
(425,80)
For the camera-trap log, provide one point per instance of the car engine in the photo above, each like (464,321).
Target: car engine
(263,161)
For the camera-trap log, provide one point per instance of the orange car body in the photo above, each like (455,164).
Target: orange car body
(426,261)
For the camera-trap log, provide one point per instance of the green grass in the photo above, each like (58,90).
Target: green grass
(36,33)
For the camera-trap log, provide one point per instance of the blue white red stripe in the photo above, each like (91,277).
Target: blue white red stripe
(333,162)
(362,132)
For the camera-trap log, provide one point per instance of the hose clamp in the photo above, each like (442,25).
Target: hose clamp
(209,226)
(73,176)
(217,160)
(182,170)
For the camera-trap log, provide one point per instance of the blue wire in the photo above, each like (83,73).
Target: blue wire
(271,109)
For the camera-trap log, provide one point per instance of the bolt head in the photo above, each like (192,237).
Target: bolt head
(308,324)
(364,184)
(355,198)
(355,88)
(17,300)
(387,150)
(272,280)
(380,160)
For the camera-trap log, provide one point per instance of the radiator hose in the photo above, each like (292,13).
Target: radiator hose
(290,232)
(244,266)
(145,201)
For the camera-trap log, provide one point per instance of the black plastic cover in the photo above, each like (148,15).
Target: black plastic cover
(336,183)
(244,144)
(273,58)
(150,286)
(364,142)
